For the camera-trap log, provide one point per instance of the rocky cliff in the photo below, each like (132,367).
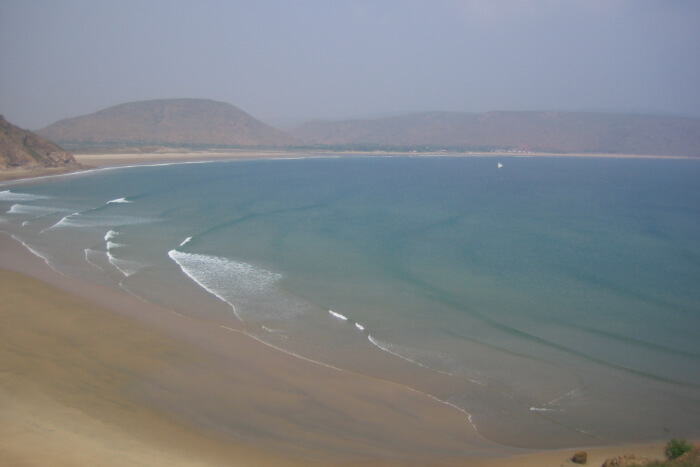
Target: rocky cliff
(21,148)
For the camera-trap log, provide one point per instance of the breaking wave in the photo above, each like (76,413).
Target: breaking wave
(342,317)
(228,280)
(118,201)
(81,220)
(338,315)
(8,195)
(29,210)
(110,235)
(413,356)
(124,266)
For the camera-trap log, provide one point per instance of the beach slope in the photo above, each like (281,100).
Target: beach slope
(90,376)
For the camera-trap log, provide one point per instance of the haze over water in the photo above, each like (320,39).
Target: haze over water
(554,300)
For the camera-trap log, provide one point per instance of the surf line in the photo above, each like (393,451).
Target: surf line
(119,201)
(246,332)
(184,269)
(338,315)
(345,318)
(316,362)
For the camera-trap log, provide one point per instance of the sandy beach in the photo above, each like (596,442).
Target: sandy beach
(117,159)
(95,376)
(88,161)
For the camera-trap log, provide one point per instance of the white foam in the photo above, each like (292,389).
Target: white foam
(337,315)
(288,352)
(8,195)
(400,352)
(359,326)
(80,220)
(224,278)
(118,201)
(125,266)
(317,362)
(27,209)
(89,253)
(392,349)
(186,241)
(281,333)
(65,221)
(110,235)
(543,409)
(37,253)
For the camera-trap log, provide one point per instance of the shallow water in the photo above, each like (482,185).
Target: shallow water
(555,301)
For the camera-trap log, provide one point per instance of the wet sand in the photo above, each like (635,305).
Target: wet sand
(21,173)
(91,376)
(100,378)
(94,376)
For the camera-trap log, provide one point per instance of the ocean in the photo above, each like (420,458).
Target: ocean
(555,301)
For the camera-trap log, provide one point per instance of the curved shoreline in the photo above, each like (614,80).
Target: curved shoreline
(118,159)
(155,320)
(110,415)
(361,419)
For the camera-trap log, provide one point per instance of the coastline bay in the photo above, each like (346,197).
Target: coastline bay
(383,280)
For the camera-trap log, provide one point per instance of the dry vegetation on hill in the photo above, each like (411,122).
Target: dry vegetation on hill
(167,122)
(550,132)
(23,149)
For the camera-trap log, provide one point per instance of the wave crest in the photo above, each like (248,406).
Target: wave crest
(226,279)
(8,195)
(119,201)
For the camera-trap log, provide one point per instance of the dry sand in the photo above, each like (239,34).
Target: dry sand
(118,159)
(165,156)
(93,376)
(105,160)
(20,173)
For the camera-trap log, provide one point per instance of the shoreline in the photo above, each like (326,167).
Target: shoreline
(285,378)
(118,159)
(106,160)
(280,407)
(181,439)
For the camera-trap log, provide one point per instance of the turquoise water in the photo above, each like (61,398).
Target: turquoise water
(555,301)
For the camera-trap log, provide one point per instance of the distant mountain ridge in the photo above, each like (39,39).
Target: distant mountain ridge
(546,131)
(20,148)
(208,123)
(168,122)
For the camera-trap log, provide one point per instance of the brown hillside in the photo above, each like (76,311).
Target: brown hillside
(23,149)
(555,132)
(186,122)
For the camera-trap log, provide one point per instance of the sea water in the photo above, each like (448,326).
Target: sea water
(555,301)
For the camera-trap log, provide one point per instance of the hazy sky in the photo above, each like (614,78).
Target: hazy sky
(281,59)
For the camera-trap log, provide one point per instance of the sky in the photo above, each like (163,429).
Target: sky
(289,60)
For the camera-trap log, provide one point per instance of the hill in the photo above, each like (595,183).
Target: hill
(552,132)
(21,148)
(167,122)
